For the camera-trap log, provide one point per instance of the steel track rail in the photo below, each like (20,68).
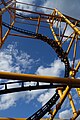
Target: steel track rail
(46,108)
(27,88)
(61,54)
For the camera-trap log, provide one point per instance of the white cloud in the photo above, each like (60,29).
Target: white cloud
(25,7)
(17,61)
(66,114)
(67,7)
(9,100)
(30,95)
(45,97)
(55,69)
(13,60)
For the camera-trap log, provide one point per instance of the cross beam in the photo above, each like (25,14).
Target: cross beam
(38,78)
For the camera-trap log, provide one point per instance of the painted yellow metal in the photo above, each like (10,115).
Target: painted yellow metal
(78,91)
(6,34)
(58,106)
(38,78)
(64,31)
(77,67)
(62,98)
(74,54)
(72,103)
(70,82)
(75,115)
(71,43)
(67,37)
(6,7)
(56,39)
(12,22)
(59,89)
(69,23)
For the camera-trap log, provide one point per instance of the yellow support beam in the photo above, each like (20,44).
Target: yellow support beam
(6,34)
(72,103)
(69,23)
(77,67)
(5,8)
(62,98)
(75,115)
(54,35)
(38,78)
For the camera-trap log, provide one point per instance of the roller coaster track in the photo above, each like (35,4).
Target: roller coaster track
(46,108)
(41,112)
(60,53)
(21,86)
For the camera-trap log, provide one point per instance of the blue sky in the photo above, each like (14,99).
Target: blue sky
(34,56)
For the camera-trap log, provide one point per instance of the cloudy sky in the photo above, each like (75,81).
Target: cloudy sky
(31,56)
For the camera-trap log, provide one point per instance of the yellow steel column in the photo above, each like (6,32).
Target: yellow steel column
(6,34)
(75,115)
(59,89)
(37,78)
(8,31)
(67,21)
(75,47)
(77,67)
(5,8)
(62,98)
(71,43)
(72,103)
(56,39)
(51,27)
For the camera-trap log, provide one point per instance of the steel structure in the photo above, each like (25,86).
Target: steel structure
(60,42)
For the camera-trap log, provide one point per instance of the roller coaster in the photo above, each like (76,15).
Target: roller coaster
(61,42)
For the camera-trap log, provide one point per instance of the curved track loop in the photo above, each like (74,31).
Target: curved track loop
(46,108)
(61,54)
